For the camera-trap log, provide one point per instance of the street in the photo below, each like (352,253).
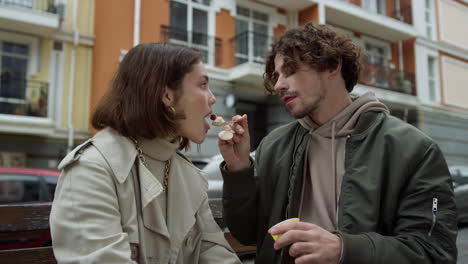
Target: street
(462,244)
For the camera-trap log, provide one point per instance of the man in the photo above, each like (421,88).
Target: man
(367,187)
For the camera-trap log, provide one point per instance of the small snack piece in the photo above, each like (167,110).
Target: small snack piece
(219,121)
(275,237)
(225,135)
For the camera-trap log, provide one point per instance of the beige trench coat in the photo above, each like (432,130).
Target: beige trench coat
(94,214)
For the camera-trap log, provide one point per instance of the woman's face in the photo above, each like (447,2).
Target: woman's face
(195,102)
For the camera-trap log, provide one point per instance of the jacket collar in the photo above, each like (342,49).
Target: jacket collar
(118,151)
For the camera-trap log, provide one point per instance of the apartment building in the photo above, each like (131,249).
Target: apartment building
(45,79)
(416,55)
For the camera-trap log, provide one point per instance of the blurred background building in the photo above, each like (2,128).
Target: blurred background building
(46,51)
(58,57)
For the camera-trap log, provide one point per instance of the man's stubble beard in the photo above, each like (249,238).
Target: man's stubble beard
(310,108)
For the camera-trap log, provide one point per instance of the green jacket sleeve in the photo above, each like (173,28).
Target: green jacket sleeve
(426,225)
(240,204)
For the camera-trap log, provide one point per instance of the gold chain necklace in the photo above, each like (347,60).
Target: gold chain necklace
(167,165)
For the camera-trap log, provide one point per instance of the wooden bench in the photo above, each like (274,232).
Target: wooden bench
(32,221)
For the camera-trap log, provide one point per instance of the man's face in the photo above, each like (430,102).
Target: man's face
(303,91)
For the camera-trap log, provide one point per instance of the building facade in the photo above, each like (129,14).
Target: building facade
(45,79)
(416,55)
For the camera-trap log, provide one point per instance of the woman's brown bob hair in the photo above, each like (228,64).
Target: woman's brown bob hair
(318,46)
(133,104)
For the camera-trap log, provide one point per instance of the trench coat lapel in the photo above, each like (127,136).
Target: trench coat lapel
(187,190)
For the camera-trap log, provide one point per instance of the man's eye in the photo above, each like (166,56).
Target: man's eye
(203,85)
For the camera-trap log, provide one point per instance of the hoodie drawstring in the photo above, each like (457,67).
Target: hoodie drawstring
(334,161)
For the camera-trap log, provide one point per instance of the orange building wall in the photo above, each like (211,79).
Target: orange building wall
(355,2)
(113,28)
(409,57)
(309,14)
(154,13)
(226,31)
(279,30)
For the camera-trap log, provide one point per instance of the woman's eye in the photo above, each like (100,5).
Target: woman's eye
(203,85)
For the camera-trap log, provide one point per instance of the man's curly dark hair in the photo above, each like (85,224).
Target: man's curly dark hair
(318,46)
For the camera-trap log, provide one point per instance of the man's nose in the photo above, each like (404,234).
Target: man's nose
(280,85)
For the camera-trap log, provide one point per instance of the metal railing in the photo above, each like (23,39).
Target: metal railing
(23,97)
(209,46)
(387,78)
(251,46)
(39,5)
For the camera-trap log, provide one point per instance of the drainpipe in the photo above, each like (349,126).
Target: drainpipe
(136,23)
(71,85)
(400,44)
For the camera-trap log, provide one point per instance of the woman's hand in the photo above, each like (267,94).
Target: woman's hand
(236,151)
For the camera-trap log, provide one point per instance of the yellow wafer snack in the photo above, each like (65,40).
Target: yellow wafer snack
(275,237)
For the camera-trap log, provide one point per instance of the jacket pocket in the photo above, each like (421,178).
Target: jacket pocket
(434,215)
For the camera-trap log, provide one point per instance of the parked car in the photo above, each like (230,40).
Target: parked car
(215,179)
(26,186)
(460,188)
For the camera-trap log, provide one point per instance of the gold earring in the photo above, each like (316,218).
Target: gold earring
(172,109)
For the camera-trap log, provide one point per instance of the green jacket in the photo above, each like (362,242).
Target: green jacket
(394,174)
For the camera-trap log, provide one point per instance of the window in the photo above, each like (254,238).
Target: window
(429,19)
(189,25)
(252,38)
(19,59)
(375,6)
(19,3)
(431,77)
(13,73)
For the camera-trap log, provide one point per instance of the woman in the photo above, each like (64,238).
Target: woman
(127,195)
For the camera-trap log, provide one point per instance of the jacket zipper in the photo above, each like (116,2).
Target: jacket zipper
(434,218)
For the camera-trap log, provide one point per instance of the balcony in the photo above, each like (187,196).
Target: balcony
(209,46)
(389,79)
(390,23)
(250,50)
(31,16)
(22,97)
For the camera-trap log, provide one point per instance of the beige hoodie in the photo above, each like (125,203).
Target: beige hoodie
(325,157)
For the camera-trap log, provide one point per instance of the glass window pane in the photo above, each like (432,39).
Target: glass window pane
(242,11)
(260,40)
(242,37)
(260,16)
(203,2)
(178,21)
(8,47)
(200,27)
(19,189)
(431,64)
(21,49)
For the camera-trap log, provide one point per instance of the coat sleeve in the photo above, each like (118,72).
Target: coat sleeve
(85,218)
(426,221)
(214,247)
(240,204)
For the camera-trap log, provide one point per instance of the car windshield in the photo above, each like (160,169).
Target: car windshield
(459,174)
(19,188)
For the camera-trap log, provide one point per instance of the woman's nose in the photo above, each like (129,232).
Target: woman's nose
(212,99)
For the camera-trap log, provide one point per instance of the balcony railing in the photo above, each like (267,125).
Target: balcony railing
(23,97)
(39,5)
(209,46)
(387,78)
(251,46)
